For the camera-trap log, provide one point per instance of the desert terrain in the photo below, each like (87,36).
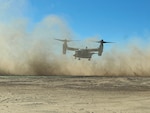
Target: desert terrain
(74,94)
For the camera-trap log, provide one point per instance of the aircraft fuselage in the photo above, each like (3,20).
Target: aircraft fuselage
(84,53)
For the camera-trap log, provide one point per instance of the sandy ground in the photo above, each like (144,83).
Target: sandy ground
(65,94)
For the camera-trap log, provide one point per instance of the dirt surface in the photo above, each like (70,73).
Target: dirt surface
(74,94)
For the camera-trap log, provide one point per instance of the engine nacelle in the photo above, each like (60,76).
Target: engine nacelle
(99,53)
(100,50)
(64,48)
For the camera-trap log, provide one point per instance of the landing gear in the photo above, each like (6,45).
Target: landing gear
(78,58)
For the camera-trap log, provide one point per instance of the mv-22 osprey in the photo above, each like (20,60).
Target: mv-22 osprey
(83,53)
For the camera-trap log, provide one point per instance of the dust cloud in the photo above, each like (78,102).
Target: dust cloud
(27,50)
(37,53)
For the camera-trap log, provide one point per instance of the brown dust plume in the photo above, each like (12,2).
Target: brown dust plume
(35,52)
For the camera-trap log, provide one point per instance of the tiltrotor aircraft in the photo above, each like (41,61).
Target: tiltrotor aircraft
(83,53)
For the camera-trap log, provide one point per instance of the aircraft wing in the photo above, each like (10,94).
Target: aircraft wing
(93,49)
(72,49)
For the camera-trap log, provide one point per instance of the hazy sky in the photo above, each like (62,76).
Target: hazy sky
(112,20)
(109,19)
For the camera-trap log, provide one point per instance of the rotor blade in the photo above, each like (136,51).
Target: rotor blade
(60,40)
(108,42)
(101,41)
(65,40)
(95,41)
